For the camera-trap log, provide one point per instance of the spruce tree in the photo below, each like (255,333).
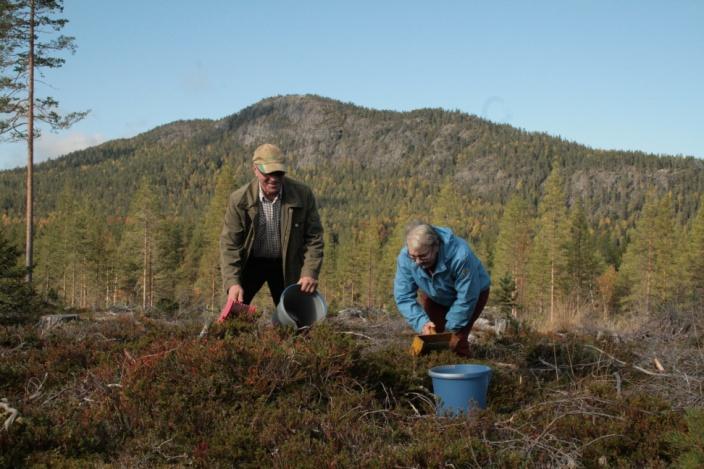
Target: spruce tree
(208,282)
(61,250)
(547,260)
(649,271)
(329,281)
(694,263)
(583,261)
(606,284)
(17,300)
(448,209)
(138,245)
(513,246)
(170,255)
(506,294)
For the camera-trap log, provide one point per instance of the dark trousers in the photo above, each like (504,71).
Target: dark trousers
(259,270)
(437,312)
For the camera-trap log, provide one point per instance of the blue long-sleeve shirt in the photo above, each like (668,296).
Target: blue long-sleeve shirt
(457,280)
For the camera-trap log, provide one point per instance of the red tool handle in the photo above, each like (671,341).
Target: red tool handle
(237,307)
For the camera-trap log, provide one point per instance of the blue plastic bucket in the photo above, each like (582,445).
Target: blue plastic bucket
(297,309)
(460,388)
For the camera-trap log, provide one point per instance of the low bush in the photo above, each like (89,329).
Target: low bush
(147,392)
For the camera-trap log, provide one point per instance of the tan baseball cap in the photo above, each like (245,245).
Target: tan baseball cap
(268,158)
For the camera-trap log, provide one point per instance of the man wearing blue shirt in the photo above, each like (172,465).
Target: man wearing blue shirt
(454,287)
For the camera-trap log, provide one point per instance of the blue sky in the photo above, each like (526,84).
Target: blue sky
(615,75)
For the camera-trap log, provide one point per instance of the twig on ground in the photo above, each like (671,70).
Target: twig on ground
(605,353)
(34,382)
(551,366)
(358,334)
(168,458)
(641,369)
(8,410)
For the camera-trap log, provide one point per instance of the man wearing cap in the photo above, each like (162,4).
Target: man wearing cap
(272,232)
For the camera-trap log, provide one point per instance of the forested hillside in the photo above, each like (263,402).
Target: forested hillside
(567,231)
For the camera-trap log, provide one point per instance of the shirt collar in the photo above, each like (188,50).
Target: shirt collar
(262,198)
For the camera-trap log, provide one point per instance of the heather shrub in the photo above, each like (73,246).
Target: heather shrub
(151,393)
(690,442)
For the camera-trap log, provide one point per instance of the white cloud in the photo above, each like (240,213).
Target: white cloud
(48,146)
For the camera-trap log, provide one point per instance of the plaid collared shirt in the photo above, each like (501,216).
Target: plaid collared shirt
(267,240)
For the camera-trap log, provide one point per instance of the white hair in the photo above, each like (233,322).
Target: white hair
(421,235)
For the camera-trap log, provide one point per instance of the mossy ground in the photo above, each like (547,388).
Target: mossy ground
(148,393)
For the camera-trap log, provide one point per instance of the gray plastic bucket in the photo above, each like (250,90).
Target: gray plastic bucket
(298,309)
(460,388)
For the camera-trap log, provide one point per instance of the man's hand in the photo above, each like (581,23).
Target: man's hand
(308,285)
(236,293)
(428,328)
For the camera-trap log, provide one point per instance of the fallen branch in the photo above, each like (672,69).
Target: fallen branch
(167,457)
(8,410)
(550,365)
(652,373)
(511,366)
(607,354)
(357,334)
(38,385)
(639,368)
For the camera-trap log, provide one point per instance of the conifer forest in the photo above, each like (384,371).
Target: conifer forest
(568,233)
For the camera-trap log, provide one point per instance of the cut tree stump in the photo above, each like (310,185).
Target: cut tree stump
(50,321)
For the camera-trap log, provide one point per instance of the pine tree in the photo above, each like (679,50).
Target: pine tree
(513,246)
(448,209)
(139,244)
(694,278)
(583,261)
(61,255)
(606,284)
(170,254)
(373,234)
(208,281)
(351,263)
(88,245)
(329,281)
(547,260)
(649,268)
(49,268)
(22,54)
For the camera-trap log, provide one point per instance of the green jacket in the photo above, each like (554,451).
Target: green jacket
(301,233)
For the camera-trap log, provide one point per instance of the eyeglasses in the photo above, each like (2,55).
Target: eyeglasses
(421,257)
(274,175)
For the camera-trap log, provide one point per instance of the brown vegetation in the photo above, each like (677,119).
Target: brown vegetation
(346,393)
